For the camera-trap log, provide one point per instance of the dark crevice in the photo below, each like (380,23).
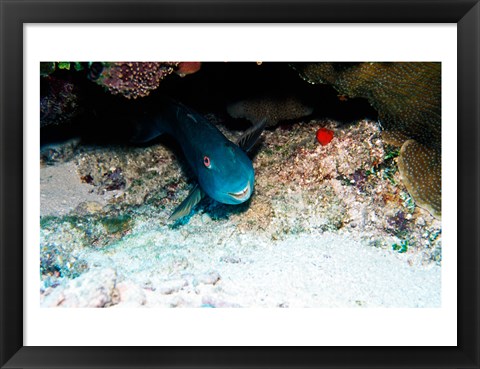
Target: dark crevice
(108,119)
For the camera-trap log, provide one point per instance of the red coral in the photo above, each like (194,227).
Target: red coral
(134,79)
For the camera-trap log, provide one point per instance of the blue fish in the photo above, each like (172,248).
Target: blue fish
(223,170)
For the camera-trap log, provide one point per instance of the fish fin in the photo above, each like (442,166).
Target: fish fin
(144,130)
(251,136)
(194,197)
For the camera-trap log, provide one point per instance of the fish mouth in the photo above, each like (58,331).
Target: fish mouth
(243,194)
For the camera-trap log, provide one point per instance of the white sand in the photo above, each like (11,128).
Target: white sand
(327,270)
(61,190)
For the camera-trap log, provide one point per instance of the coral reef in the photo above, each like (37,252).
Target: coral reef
(134,79)
(59,101)
(58,152)
(330,222)
(143,175)
(407,97)
(274,108)
(303,190)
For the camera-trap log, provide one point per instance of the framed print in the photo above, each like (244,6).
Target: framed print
(260,184)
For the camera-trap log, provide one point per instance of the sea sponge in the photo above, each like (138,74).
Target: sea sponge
(420,168)
(272,108)
(407,97)
(134,79)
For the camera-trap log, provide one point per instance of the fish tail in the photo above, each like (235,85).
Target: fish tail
(145,129)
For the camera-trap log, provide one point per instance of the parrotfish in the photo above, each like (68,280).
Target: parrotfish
(223,170)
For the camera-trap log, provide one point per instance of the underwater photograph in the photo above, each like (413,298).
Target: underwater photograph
(240,184)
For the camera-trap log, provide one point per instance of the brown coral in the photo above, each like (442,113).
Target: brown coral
(274,108)
(134,79)
(420,168)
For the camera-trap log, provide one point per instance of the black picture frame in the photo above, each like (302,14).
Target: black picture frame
(14,13)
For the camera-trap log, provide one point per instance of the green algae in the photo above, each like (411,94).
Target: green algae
(63,65)
(118,224)
(48,221)
(402,247)
(408,202)
(47,68)
(66,239)
(94,229)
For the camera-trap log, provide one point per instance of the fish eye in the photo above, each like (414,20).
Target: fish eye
(206,161)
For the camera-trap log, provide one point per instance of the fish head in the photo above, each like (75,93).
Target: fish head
(226,173)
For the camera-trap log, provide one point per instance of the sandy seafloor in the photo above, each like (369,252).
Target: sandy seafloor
(318,232)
